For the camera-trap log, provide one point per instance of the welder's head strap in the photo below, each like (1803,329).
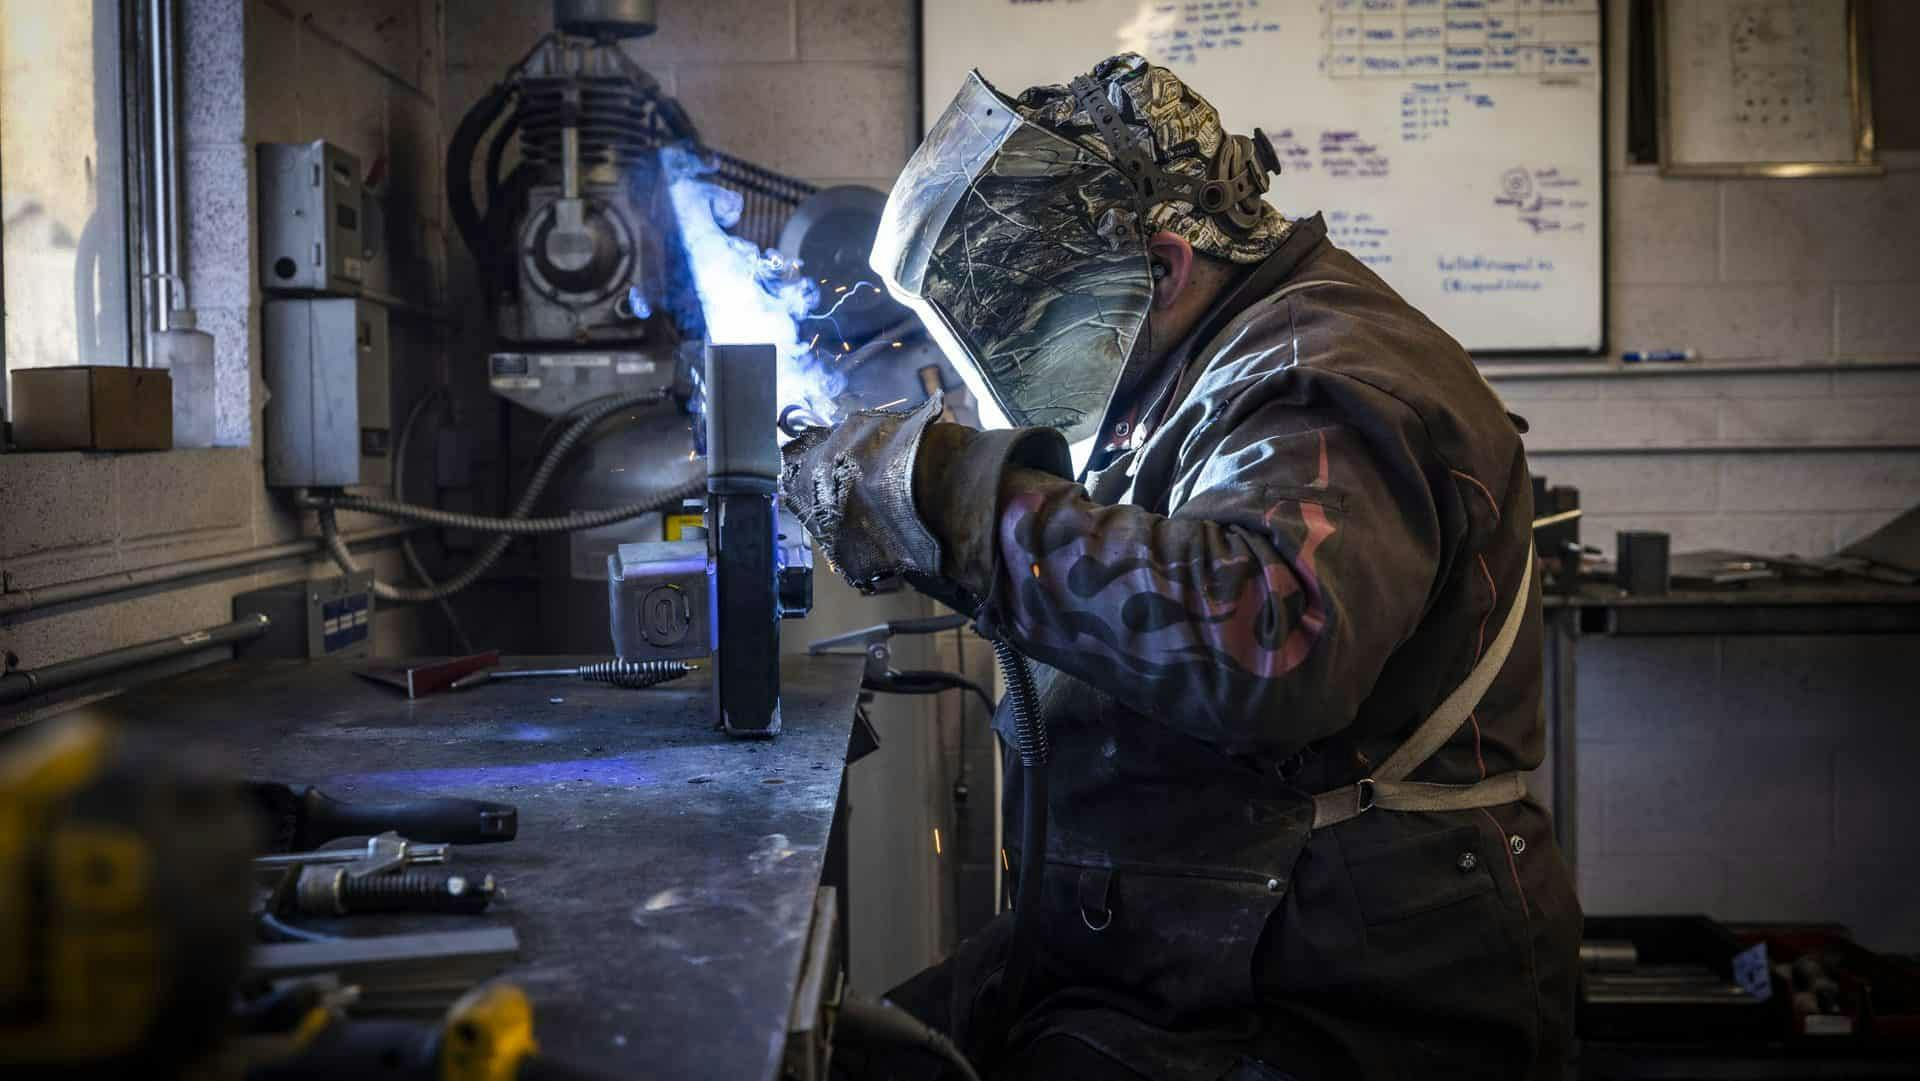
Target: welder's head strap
(1231,192)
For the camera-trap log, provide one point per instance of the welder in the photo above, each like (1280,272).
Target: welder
(1264,532)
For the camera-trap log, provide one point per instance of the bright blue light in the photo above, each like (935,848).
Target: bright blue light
(747,296)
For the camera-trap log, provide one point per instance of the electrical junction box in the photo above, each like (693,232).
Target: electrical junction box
(325,617)
(330,417)
(660,598)
(313,232)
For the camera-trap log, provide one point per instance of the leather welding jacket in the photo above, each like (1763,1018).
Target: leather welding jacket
(1321,520)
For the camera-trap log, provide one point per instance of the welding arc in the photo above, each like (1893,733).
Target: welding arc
(516,524)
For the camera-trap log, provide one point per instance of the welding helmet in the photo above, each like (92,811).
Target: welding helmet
(1018,232)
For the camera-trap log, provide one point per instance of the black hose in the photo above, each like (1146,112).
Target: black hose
(496,156)
(862,1021)
(1031,740)
(929,681)
(459,166)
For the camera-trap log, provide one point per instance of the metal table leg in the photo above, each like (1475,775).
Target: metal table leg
(1563,728)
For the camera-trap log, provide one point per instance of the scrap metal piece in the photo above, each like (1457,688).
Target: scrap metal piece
(422,679)
(394,965)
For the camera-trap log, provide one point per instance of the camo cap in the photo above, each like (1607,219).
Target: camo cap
(1182,131)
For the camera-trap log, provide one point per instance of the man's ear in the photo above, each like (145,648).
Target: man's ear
(1172,259)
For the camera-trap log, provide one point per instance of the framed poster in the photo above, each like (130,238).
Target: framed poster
(1764,88)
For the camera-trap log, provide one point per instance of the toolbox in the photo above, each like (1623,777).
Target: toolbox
(1676,981)
(1872,997)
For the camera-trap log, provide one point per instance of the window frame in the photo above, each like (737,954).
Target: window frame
(146,286)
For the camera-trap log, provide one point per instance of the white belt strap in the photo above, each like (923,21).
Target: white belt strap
(1388,788)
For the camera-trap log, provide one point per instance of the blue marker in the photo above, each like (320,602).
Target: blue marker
(1635,356)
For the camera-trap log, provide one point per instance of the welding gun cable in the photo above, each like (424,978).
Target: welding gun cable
(860,1020)
(1032,740)
(928,681)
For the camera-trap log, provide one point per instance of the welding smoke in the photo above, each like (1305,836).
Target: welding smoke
(747,296)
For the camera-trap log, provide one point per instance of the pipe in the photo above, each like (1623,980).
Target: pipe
(22,684)
(163,88)
(570,162)
(18,602)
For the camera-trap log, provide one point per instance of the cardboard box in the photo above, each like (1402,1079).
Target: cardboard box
(84,407)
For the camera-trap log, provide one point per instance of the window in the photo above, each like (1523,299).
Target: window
(70,175)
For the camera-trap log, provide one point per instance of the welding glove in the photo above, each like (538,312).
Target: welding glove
(903,494)
(851,485)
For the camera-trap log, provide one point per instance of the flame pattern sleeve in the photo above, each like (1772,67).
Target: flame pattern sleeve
(1258,614)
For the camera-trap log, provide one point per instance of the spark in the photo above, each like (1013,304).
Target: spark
(851,291)
(936,840)
(891,404)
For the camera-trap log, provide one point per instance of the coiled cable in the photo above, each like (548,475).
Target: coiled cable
(1036,750)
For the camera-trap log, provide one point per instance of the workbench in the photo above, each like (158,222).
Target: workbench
(1816,607)
(664,879)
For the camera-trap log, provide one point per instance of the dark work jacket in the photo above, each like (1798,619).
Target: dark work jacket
(1320,522)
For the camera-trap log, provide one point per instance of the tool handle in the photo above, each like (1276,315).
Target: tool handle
(444,819)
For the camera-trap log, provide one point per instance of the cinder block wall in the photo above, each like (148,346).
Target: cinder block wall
(1798,430)
(1761,778)
(1750,778)
(367,75)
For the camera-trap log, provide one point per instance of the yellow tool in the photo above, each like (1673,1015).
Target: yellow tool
(486,1036)
(123,904)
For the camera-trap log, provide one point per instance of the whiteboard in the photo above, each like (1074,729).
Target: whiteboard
(1455,146)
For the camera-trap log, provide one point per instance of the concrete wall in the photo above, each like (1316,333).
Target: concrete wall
(366,75)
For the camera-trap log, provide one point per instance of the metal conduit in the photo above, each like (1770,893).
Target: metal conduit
(26,600)
(25,683)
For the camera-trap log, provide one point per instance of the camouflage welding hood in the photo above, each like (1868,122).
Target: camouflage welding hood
(1018,232)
